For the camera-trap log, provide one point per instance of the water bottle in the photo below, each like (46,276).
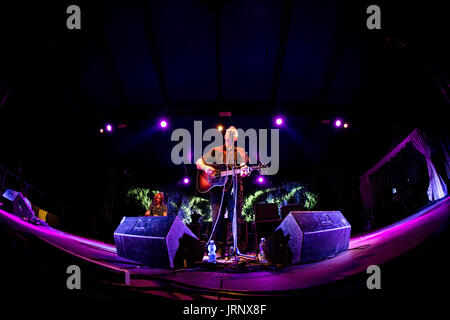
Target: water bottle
(262,258)
(212,252)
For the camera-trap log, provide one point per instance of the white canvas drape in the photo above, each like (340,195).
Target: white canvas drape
(436,189)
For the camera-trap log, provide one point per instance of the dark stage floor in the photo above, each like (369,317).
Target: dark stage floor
(411,254)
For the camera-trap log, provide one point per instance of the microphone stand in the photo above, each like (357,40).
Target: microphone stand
(234,223)
(235,252)
(235,192)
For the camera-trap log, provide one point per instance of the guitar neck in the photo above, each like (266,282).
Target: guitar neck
(236,171)
(230,172)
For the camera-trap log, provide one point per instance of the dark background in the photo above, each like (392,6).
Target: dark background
(134,62)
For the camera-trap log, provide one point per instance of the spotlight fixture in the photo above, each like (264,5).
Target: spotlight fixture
(163,123)
(220,128)
(279,121)
(186,180)
(109,127)
(338,123)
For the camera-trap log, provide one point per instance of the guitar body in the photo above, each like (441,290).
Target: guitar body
(220,176)
(206,182)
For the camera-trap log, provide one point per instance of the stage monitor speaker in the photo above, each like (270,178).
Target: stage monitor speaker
(266,211)
(266,220)
(17,204)
(162,242)
(22,207)
(308,236)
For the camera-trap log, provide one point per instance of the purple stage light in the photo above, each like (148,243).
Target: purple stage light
(260,179)
(186,180)
(279,121)
(338,123)
(163,124)
(109,127)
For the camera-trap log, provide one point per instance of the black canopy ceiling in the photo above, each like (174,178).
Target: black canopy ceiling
(132,58)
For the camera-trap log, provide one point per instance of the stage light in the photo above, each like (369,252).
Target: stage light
(186,180)
(101,130)
(346,125)
(109,127)
(279,121)
(338,123)
(260,179)
(163,123)
(220,128)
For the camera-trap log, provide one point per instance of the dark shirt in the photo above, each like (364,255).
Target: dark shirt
(157,211)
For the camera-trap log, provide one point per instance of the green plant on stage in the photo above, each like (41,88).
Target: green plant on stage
(178,204)
(184,205)
(189,205)
(288,193)
(142,196)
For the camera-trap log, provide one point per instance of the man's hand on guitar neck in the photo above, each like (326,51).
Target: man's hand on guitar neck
(245,171)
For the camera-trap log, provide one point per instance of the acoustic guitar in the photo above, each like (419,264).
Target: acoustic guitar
(218,178)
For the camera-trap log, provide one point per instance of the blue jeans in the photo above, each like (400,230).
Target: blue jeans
(222,236)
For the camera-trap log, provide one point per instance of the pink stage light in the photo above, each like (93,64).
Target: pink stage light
(279,121)
(338,123)
(260,180)
(109,127)
(186,181)
(163,123)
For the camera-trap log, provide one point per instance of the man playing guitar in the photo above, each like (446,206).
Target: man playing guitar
(229,155)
